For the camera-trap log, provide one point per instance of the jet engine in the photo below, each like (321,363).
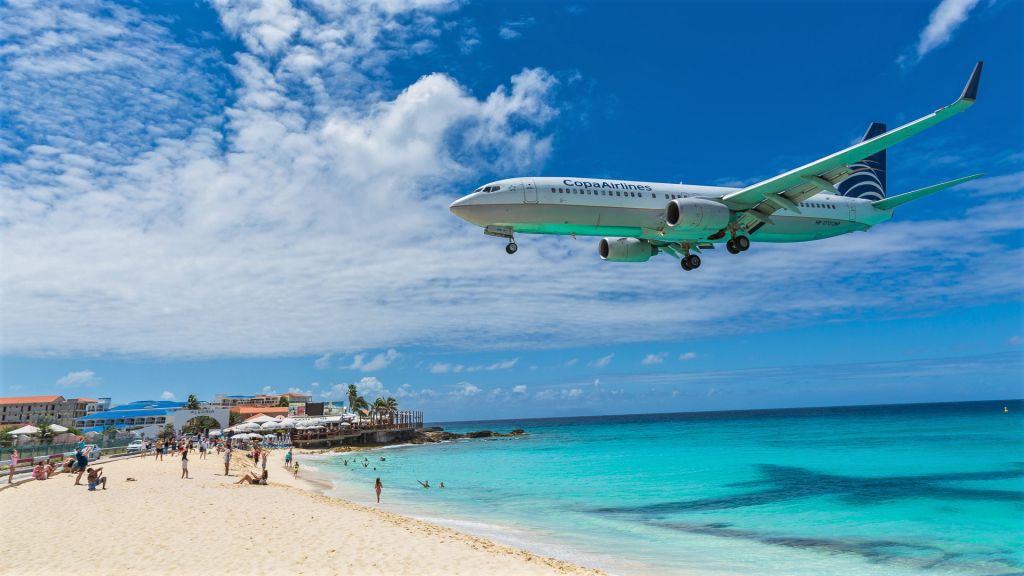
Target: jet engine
(626,250)
(697,214)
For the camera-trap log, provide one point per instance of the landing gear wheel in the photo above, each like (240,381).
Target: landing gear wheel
(731,247)
(685,264)
(742,243)
(694,261)
(511,248)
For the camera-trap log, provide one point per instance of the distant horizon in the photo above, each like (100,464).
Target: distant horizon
(730,411)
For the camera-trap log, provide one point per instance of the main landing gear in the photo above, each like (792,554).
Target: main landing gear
(511,247)
(690,262)
(738,244)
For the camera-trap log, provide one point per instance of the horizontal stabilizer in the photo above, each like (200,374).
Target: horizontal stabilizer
(894,201)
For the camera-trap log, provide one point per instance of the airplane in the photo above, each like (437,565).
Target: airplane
(838,194)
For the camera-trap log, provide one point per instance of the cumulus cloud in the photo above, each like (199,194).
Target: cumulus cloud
(445,367)
(653,359)
(519,389)
(993,185)
(369,387)
(512,29)
(323,362)
(602,361)
(378,362)
(559,394)
(688,356)
(167,395)
(943,21)
(76,379)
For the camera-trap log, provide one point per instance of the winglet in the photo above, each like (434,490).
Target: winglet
(971,89)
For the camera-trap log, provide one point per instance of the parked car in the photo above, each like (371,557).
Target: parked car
(93,451)
(136,446)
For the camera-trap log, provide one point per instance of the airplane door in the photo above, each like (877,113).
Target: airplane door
(853,210)
(529,191)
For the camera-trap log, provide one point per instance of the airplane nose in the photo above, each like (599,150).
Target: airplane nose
(461,207)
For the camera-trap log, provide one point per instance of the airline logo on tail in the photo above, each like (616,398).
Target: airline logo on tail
(868,178)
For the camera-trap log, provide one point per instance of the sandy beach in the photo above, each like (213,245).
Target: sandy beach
(162,524)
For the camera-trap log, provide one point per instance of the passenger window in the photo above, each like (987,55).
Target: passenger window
(617,193)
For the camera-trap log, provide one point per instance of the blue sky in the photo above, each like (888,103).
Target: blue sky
(251,196)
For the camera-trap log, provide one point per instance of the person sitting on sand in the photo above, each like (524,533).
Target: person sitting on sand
(68,465)
(50,470)
(250,478)
(425,483)
(39,472)
(96,478)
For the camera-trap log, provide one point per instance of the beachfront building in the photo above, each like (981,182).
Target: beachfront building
(63,411)
(259,399)
(148,417)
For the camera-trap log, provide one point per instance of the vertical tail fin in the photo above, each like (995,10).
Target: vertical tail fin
(868,178)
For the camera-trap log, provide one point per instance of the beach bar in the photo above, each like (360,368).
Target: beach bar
(340,432)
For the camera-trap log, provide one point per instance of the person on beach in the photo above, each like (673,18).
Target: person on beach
(159,450)
(295,472)
(288,458)
(202,450)
(184,464)
(263,462)
(12,466)
(96,478)
(442,484)
(39,471)
(227,460)
(377,487)
(81,462)
(425,483)
(250,478)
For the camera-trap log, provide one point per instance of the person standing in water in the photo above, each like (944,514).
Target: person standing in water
(377,487)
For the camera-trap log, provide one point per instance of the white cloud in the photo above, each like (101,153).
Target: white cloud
(993,185)
(559,394)
(75,379)
(602,361)
(513,29)
(323,362)
(465,389)
(369,387)
(943,21)
(519,389)
(167,395)
(653,359)
(378,362)
(570,362)
(445,367)
(688,356)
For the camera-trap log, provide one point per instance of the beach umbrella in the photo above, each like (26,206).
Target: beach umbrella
(24,430)
(273,425)
(58,428)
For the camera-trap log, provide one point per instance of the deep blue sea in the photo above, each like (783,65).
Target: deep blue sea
(907,489)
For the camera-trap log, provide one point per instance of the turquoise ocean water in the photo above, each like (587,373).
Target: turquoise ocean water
(910,489)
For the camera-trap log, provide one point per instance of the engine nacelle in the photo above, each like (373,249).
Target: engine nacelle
(626,250)
(697,214)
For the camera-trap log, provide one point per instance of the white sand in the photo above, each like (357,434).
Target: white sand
(162,524)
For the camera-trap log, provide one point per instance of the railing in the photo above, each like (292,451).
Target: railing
(31,451)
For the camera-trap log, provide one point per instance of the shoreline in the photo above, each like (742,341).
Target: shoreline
(162,524)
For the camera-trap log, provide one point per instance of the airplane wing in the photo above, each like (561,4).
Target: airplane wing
(759,201)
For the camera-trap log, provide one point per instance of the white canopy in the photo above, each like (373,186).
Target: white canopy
(259,419)
(272,425)
(246,426)
(58,428)
(25,430)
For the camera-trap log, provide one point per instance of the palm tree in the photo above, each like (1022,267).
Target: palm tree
(380,406)
(46,433)
(353,395)
(192,403)
(392,407)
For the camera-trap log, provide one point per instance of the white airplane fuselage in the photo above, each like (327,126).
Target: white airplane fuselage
(621,208)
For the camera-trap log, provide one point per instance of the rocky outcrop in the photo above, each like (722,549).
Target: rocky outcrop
(430,435)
